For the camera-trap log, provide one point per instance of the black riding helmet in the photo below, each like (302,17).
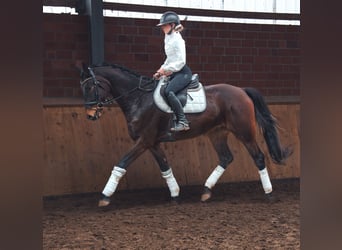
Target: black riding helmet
(169,17)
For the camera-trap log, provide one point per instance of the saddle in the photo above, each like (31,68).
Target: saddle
(192,97)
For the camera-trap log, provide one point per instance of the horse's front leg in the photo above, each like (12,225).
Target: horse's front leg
(166,171)
(119,171)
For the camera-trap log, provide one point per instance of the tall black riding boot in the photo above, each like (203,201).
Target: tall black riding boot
(176,106)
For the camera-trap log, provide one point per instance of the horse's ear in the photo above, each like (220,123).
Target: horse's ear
(78,65)
(82,67)
(85,68)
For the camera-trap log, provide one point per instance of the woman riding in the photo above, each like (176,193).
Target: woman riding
(174,66)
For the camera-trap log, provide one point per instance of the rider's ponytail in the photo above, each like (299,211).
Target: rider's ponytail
(179,28)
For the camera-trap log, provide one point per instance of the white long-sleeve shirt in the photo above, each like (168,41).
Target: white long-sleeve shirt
(174,47)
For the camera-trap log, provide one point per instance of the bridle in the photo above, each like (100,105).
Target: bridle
(96,82)
(98,104)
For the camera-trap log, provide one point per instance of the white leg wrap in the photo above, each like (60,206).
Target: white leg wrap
(113,181)
(265,181)
(171,182)
(214,176)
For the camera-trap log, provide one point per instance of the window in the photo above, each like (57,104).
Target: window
(250,6)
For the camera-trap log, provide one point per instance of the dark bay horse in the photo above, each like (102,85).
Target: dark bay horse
(230,109)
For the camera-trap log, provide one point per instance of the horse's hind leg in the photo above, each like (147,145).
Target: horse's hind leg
(166,171)
(218,138)
(259,159)
(245,125)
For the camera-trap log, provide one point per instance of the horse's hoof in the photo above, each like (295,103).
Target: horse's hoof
(104,202)
(271,198)
(175,200)
(206,194)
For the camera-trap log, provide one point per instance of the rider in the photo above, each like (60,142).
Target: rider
(174,66)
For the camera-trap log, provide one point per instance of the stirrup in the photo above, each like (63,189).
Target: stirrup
(181,126)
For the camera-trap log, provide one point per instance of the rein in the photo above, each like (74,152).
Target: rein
(97,83)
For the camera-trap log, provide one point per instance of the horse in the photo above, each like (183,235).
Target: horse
(230,109)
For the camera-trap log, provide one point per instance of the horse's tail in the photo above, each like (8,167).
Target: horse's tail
(268,125)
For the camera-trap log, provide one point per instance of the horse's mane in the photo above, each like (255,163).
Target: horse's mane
(117,66)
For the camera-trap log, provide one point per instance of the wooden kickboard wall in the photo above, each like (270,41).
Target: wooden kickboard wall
(79,154)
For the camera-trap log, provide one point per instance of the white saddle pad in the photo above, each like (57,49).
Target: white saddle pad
(196,101)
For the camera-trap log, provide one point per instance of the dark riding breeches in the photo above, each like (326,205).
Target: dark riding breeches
(179,80)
